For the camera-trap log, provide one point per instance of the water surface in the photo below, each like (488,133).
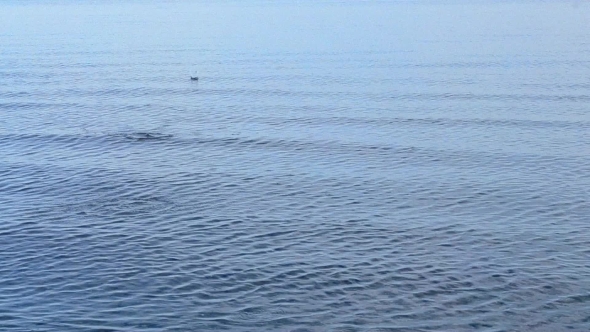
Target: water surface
(339,166)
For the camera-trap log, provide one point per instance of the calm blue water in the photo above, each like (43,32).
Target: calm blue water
(339,166)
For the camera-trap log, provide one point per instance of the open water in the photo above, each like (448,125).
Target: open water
(339,166)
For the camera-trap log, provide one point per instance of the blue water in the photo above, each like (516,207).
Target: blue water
(339,166)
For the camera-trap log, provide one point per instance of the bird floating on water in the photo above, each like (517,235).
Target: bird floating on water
(194,78)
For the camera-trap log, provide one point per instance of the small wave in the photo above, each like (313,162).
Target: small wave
(147,136)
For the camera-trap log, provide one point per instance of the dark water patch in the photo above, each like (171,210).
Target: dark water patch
(146,136)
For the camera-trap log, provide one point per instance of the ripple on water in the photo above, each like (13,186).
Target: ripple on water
(146,136)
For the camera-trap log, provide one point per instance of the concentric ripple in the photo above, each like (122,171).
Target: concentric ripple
(372,166)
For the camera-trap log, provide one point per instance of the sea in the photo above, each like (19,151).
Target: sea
(339,165)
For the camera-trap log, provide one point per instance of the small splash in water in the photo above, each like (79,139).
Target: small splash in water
(145,136)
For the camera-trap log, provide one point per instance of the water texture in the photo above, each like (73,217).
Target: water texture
(339,166)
